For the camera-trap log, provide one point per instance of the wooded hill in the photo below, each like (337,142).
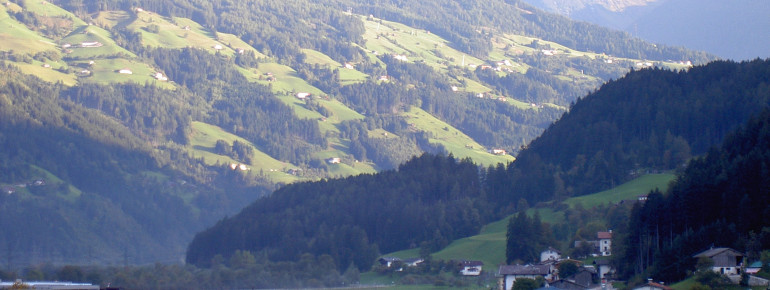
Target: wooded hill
(309,214)
(191,88)
(719,200)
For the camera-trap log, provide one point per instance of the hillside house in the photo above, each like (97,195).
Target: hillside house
(333,160)
(400,57)
(302,96)
(159,76)
(218,47)
(550,254)
(413,262)
(90,44)
(9,189)
(507,274)
(605,242)
(726,261)
(125,71)
(349,65)
(498,151)
(388,261)
(471,268)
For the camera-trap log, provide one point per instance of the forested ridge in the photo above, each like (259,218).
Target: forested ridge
(650,120)
(719,200)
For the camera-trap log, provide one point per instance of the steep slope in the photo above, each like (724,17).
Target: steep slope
(649,120)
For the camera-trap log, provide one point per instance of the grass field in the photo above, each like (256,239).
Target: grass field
(627,191)
(205,137)
(17,37)
(455,141)
(489,245)
(106,71)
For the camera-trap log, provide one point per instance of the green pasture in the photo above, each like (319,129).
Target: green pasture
(112,18)
(317,57)
(234,43)
(455,141)
(106,71)
(287,81)
(45,8)
(204,139)
(48,74)
(386,37)
(489,245)
(18,38)
(627,191)
(90,33)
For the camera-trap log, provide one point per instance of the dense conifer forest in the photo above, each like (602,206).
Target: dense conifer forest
(719,200)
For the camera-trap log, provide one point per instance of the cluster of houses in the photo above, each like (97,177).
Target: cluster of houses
(10,189)
(586,276)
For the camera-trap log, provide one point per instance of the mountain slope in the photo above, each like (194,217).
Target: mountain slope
(649,120)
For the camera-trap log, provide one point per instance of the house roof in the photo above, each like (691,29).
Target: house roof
(604,235)
(655,286)
(471,263)
(524,270)
(710,253)
(390,259)
(552,250)
(602,262)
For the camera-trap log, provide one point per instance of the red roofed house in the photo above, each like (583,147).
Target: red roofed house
(605,242)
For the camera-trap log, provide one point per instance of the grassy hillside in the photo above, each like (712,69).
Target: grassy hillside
(204,138)
(489,245)
(452,139)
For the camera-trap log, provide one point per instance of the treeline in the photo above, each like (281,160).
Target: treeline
(719,200)
(649,120)
(429,201)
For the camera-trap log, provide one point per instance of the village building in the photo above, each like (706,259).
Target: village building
(605,242)
(413,262)
(471,268)
(507,274)
(726,260)
(333,160)
(388,261)
(550,254)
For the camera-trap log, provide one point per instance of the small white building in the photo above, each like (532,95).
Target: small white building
(333,160)
(159,76)
(471,268)
(125,71)
(302,96)
(605,242)
(550,254)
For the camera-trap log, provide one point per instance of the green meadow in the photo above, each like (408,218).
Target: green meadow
(455,141)
(204,139)
(489,245)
